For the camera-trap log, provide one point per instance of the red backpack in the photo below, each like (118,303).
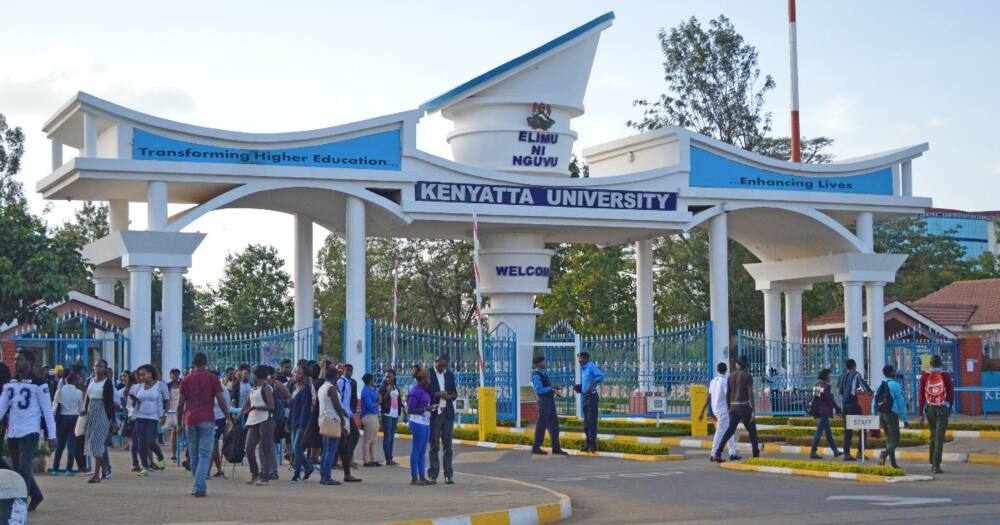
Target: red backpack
(934,391)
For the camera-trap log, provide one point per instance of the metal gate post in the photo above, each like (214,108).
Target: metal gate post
(577,377)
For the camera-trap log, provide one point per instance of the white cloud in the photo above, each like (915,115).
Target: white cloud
(837,114)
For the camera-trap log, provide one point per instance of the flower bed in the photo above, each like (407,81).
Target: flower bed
(827,466)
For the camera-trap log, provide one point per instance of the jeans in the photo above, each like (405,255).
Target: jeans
(851,408)
(330,449)
(368,448)
(261,434)
(145,430)
(823,427)
(134,445)
(937,420)
(200,439)
(721,426)
(22,453)
(890,422)
(299,461)
(418,450)
(590,405)
(65,439)
(740,414)
(547,420)
(389,435)
(441,430)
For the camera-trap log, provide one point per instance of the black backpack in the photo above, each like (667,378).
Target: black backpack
(883,399)
(234,444)
(813,410)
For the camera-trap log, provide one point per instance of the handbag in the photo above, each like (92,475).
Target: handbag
(81,425)
(329,426)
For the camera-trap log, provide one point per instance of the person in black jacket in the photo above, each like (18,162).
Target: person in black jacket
(392,406)
(443,393)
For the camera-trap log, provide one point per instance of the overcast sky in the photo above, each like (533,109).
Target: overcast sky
(873,75)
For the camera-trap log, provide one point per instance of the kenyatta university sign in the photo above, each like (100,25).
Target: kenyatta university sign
(546,196)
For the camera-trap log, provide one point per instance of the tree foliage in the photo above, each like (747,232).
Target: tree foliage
(593,289)
(254,292)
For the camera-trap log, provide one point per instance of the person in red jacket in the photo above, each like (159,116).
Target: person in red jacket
(935,397)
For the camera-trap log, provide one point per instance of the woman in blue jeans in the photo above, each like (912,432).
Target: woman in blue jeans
(419,403)
(299,417)
(391,400)
(329,406)
(826,408)
(149,411)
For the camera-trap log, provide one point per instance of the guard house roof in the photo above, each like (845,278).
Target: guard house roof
(516,65)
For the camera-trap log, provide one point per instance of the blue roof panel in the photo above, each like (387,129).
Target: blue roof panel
(437,102)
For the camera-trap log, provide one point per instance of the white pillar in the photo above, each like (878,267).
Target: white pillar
(907,179)
(140,315)
(104,288)
(303,277)
(793,315)
(57,154)
(89,135)
(854,329)
(718,267)
(355,241)
(865,229)
(127,294)
(117,215)
(173,314)
(156,205)
(772,329)
(875,293)
(644,311)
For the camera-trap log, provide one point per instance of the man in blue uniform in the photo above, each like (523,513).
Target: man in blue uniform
(590,376)
(547,418)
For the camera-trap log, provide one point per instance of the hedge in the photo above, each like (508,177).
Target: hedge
(636,429)
(528,439)
(827,466)
(870,443)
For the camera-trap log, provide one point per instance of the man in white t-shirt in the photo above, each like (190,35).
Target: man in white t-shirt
(717,398)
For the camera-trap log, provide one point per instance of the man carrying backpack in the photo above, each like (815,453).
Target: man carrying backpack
(935,395)
(848,387)
(890,405)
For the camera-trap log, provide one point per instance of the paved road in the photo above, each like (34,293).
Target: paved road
(694,490)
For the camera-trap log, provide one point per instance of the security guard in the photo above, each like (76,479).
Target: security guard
(547,417)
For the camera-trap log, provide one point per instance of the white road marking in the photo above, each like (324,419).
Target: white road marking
(584,477)
(891,501)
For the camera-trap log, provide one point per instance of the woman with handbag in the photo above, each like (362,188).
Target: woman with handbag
(258,408)
(331,425)
(418,403)
(98,409)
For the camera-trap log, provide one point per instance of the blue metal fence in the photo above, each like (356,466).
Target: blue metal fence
(785,372)
(231,350)
(910,352)
(77,338)
(560,364)
(420,347)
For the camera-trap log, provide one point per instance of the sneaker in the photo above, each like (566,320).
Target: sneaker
(837,453)
(539,451)
(391,463)
(295,480)
(162,464)
(814,455)
(330,482)
(200,494)
(848,457)
(560,452)
(136,468)
(262,482)
(735,457)
(69,473)
(143,473)
(219,474)
(34,503)
(937,470)
(106,474)
(449,480)
(352,479)
(53,472)
(718,459)
(252,480)
(306,474)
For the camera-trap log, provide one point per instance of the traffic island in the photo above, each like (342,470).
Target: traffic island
(825,469)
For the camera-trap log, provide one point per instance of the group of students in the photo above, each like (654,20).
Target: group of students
(731,397)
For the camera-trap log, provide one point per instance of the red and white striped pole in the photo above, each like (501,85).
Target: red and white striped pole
(479,301)
(794,62)
(395,318)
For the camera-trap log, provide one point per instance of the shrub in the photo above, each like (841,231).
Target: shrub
(635,429)
(869,442)
(528,439)
(827,466)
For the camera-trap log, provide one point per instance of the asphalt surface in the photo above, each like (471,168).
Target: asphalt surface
(694,491)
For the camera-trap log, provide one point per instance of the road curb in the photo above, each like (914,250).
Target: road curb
(572,452)
(849,476)
(531,515)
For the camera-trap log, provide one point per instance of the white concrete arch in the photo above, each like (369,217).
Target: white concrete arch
(284,197)
(768,231)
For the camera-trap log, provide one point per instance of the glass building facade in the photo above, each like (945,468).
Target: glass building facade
(970,230)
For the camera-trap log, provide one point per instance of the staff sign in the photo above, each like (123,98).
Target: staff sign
(862,422)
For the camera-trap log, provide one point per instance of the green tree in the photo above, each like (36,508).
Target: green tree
(36,267)
(933,261)
(593,289)
(89,223)
(254,292)
(813,150)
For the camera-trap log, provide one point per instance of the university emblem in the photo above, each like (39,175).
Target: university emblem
(541,116)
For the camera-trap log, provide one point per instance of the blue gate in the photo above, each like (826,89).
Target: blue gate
(77,338)
(560,362)
(418,347)
(231,350)
(784,372)
(910,352)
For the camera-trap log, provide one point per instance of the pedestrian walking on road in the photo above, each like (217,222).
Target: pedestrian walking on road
(369,421)
(66,406)
(259,410)
(391,407)
(98,410)
(823,407)
(418,404)
(717,390)
(590,377)
(739,396)
(26,405)
(443,393)
(301,411)
(200,391)
(890,405)
(935,397)
(330,407)
(545,399)
(348,389)
(850,384)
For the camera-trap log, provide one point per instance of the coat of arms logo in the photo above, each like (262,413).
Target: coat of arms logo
(541,116)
